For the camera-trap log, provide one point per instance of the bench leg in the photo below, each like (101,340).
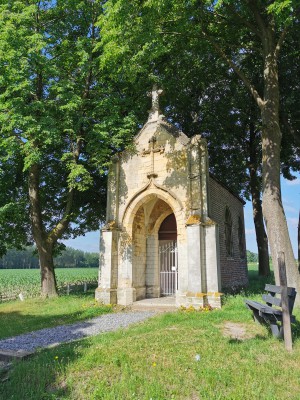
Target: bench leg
(258,318)
(277,331)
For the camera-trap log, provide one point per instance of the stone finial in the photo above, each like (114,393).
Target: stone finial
(155,111)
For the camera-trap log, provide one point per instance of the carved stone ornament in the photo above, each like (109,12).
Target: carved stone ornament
(110,225)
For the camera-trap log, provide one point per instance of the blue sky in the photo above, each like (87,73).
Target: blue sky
(290,191)
(291,203)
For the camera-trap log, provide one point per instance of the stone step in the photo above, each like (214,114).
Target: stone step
(161,304)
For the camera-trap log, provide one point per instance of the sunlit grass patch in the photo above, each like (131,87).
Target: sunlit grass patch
(21,317)
(185,355)
(177,355)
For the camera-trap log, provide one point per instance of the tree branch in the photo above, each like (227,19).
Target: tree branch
(260,22)
(260,102)
(62,225)
(252,27)
(280,41)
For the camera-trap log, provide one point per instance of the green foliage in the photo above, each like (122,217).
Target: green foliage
(57,112)
(76,258)
(252,257)
(167,42)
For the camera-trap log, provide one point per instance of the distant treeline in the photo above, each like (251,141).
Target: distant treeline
(69,258)
(252,257)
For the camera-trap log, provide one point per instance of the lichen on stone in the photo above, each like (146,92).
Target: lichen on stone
(193,220)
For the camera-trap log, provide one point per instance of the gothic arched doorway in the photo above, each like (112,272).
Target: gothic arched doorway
(168,256)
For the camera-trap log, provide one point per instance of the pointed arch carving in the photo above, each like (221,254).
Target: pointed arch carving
(151,190)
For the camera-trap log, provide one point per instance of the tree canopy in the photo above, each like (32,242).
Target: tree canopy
(225,41)
(60,120)
(73,81)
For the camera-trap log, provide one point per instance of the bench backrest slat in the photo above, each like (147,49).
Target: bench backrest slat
(278,290)
(271,300)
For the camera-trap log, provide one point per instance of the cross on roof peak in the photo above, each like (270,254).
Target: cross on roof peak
(155,111)
(155,97)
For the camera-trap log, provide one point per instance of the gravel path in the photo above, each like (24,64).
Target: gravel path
(66,333)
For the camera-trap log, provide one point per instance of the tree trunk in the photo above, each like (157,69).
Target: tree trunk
(273,212)
(261,236)
(299,243)
(48,280)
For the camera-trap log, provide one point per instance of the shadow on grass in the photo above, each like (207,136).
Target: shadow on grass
(49,313)
(237,341)
(49,336)
(42,376)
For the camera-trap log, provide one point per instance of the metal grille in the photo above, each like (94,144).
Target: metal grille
(168,268)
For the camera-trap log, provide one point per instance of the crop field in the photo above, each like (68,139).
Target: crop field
(28,281)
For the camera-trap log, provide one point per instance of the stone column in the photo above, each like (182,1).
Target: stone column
(213,277)
(195,175)
(191,272)
(126,293)
(112,207)
(204,179)
(108,264)
(152,269)
(194,258)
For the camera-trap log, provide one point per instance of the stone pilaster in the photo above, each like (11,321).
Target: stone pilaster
(194,175)
(152,269)
(194,258)
(108,263)
(204,179)
(126,293)
(112,207)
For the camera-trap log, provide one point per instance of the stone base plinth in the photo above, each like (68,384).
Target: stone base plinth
(140,293)
(199,300)
(106,296)
(152,292)
(214,299)
(126,296)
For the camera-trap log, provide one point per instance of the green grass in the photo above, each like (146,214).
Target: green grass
(21,317)
(28,281)
(156,360)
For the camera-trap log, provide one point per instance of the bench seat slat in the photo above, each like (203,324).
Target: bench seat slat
(265,313)
(263,307)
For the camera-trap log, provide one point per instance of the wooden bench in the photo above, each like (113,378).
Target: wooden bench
(271,312)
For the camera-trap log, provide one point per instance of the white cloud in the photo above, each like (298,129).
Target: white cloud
(250,231)
(293,222)
(294,182)
(290,209)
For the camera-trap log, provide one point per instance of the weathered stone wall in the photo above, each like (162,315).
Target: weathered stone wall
(170,167)
(233,268)
(167,173)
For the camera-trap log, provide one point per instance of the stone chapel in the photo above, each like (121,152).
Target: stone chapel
(172,229)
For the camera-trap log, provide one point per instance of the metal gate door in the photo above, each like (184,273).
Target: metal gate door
(168,268)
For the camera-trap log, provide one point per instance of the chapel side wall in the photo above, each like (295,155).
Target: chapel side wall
(233,268)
